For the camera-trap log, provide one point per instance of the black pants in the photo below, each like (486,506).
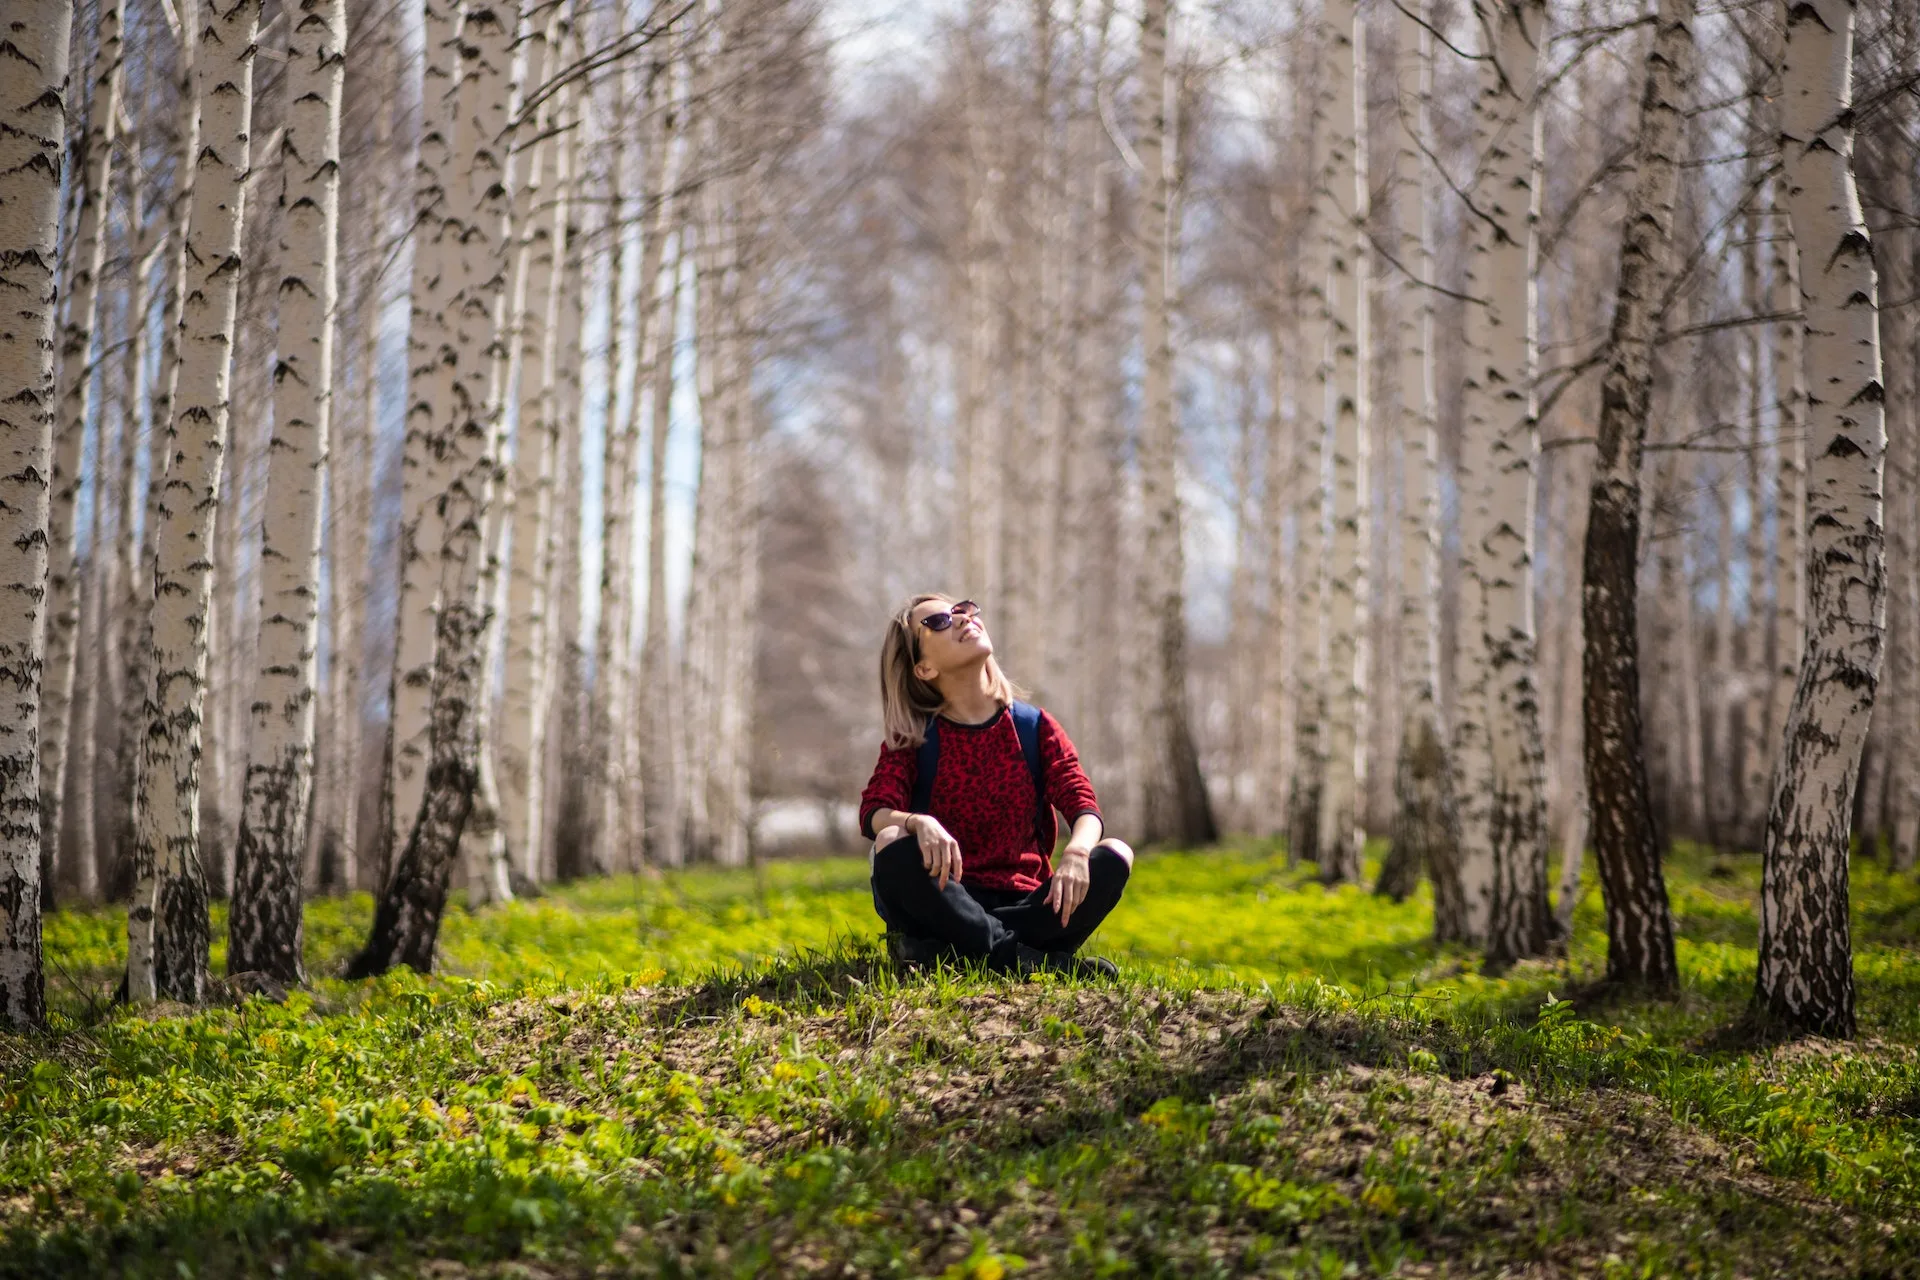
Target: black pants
(981,923)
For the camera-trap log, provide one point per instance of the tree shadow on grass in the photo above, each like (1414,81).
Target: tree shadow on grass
(1051,1072)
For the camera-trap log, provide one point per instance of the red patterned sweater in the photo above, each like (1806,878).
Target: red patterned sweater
(983,796)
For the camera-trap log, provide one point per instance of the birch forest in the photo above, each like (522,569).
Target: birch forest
(451,449)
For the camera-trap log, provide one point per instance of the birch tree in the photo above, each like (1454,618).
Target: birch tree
(33,106)
(541,201)
(83,260)
(1805,976)
(1639,923)
(1789,567)
(618,440)
(1426,822)
(1310,545)
(437,229)
(1176,803)
(407,920)
(265,927)
(1343,198)
(1505,841)
(657,774)
(168,930)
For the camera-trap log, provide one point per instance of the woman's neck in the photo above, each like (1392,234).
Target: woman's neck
(969,696)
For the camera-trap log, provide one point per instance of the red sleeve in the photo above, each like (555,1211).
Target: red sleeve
(1068,788)
(891,785)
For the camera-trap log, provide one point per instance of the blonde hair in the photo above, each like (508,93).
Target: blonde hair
(908,704)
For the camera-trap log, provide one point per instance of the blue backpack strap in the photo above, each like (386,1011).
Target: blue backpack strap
(1026,723)
(926,763)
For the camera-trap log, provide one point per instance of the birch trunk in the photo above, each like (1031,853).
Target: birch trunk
(168,930)
(1426,830)
(1805,976)
(1789,574)
(488,257)
(1175,802)
(1750,828)
(1039,525)
(75,867)
(406,923)
(33,105)
(657,774)
(730,808)
(159,419)
(1310,542)
(1902,338)
(1626,845)
(562,551)
(424,474)
(265,928)
(134,592)
(343,865)
(1344,184)
(350,503)
(1500,343)
(979,424)
(616,502)
(83,261)
(541,203)
(699,675)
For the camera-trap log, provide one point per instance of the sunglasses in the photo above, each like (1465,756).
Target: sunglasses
(947,617)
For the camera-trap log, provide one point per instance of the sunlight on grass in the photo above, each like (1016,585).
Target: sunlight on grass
(623,1055)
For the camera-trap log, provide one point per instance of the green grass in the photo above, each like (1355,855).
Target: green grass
(715,1074)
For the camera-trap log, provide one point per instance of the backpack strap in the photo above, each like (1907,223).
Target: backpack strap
(926,763)
(1026,724)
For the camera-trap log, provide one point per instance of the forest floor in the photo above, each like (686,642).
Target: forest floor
(715,1073)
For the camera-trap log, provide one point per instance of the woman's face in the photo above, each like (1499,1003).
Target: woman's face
(964,641)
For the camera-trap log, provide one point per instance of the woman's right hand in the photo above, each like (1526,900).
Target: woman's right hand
(939,851)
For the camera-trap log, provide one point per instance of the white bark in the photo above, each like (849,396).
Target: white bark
(979,425)
(424,471)
(167,926)
(561,555)
(1755,751)
(1500,420)
(540,203)
(1903,337)
(621,439)
(1311,540)
(33,122)
(1805,950)
(654,692)
(83,260)
(1425,833)
(1175,805)
(1343,184)
(265,931)
(482,349)
(173,285)
(1790,486)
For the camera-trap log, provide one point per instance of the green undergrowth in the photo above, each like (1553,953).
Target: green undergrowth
(715,1073)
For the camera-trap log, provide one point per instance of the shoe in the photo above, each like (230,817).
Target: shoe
(910,952)
(1091,968)
(1028,960)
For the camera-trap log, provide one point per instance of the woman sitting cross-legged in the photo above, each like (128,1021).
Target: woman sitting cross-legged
(961,809)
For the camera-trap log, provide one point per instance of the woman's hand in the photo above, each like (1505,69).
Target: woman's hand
(1068,888)
(939,852)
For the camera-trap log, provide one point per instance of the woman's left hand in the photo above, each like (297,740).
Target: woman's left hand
(1068,888)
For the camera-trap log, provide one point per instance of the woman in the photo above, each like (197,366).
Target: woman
(961,863)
